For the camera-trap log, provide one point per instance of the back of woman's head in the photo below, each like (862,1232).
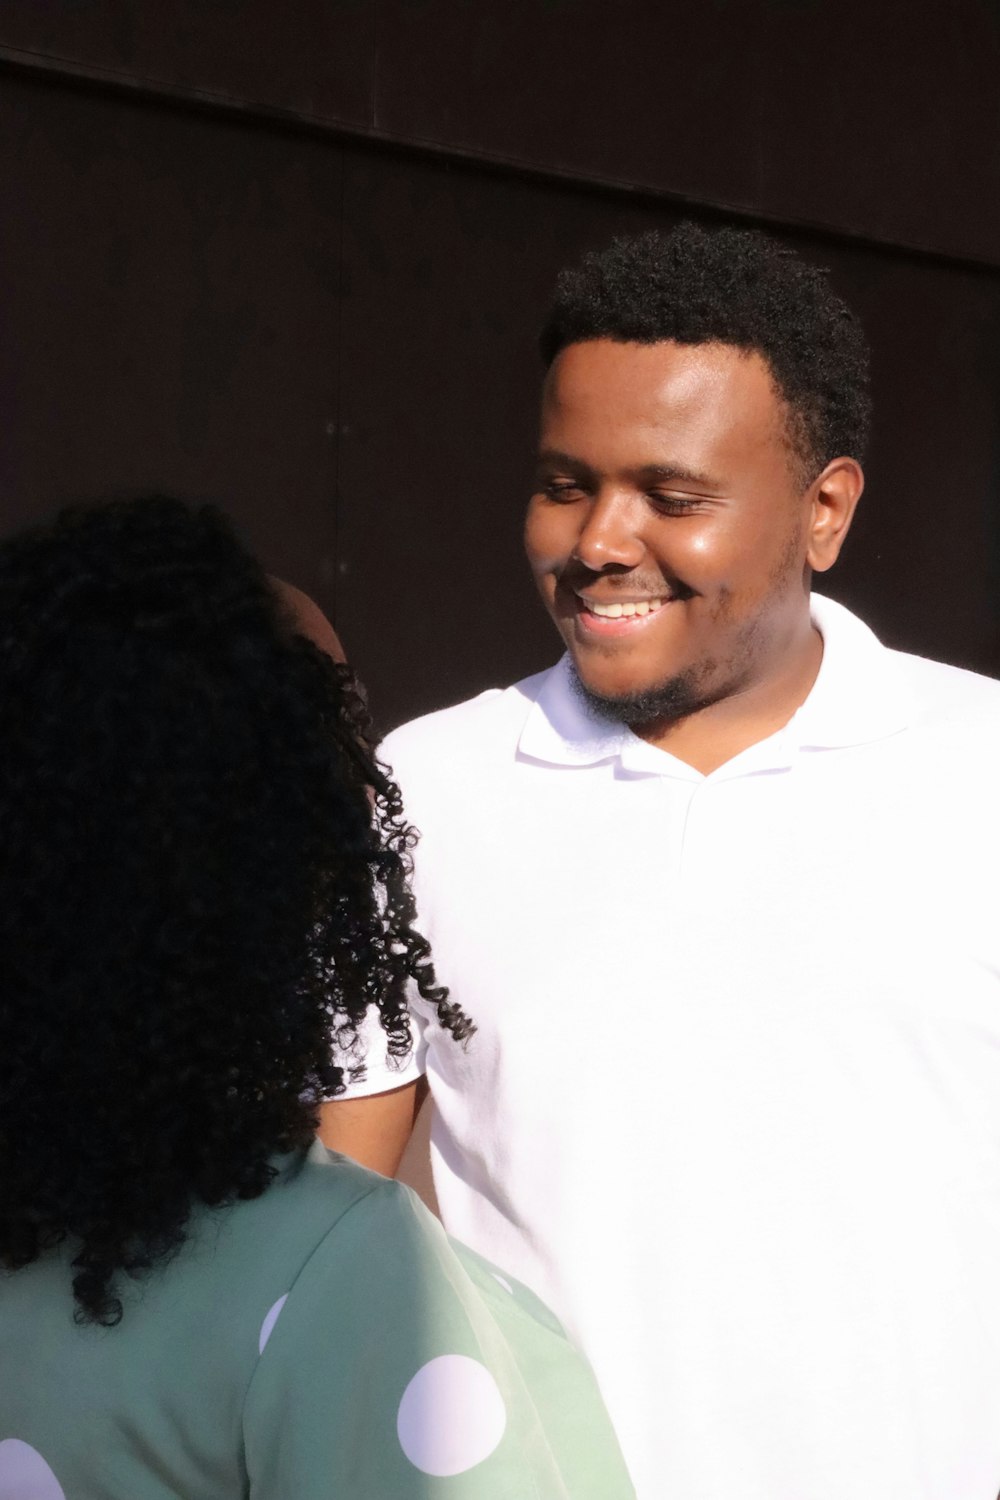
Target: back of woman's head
(202,876)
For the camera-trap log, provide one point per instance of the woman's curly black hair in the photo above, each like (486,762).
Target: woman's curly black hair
(204,880)
(739,287)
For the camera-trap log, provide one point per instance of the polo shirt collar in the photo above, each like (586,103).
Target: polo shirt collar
(857,698)
(859,695)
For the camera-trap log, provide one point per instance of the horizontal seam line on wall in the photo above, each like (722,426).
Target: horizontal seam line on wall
(181,97)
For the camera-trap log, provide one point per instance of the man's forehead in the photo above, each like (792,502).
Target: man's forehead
(603,383)
(700,410)
(665,368)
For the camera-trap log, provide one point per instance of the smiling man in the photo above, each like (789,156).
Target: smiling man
(719,892)
(672,542)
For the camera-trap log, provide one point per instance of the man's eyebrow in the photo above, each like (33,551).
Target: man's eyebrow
(643,474)
(554,458)
(674,473)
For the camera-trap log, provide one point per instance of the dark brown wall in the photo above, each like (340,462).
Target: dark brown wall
(335,336)
(875,117)
(170,316)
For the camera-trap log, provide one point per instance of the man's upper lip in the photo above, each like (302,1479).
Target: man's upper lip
(624,598)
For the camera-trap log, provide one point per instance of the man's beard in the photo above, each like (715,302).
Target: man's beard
(666,703)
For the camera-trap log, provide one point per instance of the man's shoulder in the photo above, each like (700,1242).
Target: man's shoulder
(482,729)
(943,695)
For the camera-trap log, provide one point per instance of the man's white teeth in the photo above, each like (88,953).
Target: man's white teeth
(617,611)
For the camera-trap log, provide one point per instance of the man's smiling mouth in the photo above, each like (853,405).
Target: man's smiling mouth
(622,608)
(609,617)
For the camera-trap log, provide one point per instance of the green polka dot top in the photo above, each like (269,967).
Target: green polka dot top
(323,1342)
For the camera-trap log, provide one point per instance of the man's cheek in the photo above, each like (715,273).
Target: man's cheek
(547,547)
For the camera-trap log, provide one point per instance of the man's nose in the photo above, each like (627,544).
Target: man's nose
(611,536)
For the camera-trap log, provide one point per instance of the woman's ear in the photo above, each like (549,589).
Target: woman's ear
(308,618)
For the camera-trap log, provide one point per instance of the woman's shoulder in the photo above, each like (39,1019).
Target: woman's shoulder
(240,1259)
(311,1193)
(414,1365)
(321,1178)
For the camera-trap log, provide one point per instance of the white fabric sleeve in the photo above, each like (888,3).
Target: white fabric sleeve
(382,1072)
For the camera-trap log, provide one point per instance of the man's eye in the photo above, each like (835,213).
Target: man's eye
(562,490)
(673,505)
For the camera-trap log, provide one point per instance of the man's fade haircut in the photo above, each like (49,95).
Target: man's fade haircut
(731,286)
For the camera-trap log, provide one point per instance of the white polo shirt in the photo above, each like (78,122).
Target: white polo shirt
(733,1106)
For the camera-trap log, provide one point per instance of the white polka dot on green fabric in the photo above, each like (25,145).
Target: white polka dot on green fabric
(503,1282)
(452,1416)
(24,1474)
(270,1318)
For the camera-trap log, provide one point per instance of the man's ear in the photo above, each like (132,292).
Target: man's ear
(835,494)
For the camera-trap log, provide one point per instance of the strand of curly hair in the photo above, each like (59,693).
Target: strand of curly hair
(203,882)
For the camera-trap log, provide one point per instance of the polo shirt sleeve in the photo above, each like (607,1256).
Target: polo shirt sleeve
(397,1368)
(382,1072)
(403,752)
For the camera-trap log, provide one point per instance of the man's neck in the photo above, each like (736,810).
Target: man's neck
(716,734)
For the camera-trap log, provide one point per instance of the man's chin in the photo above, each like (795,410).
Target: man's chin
(640,705)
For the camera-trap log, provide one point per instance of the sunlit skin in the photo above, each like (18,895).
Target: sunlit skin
(666,472)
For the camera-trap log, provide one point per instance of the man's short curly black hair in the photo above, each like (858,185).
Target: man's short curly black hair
(732,286)
(202,880)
